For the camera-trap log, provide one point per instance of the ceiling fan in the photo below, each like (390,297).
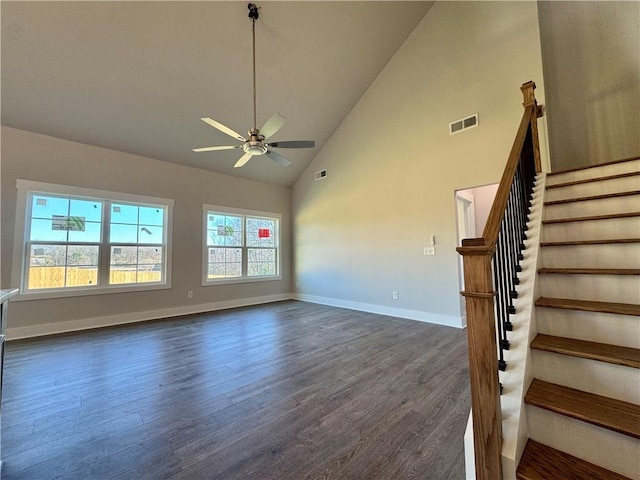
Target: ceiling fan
(255,143)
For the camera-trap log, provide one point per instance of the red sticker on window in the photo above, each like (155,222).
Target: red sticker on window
(264,233)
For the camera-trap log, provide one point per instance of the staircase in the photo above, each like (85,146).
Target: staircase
(583,406)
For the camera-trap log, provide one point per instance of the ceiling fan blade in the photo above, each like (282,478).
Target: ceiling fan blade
(293,144)
(273,125)
(279,159)
(243,159)
(223,128)
(211,149)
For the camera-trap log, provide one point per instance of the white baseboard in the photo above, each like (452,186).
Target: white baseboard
(437,318)
(15,333)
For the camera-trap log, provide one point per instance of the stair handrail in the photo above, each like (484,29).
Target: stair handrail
(488,289)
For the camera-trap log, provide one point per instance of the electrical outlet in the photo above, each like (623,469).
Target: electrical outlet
(429,250)
(395,295)
(190,294)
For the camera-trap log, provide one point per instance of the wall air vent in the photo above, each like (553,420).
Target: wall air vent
(321,175)
(463,124)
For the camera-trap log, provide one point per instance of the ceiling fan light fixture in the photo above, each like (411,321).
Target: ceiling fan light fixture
(257,148)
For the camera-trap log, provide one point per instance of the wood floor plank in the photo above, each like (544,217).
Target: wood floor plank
(275,391)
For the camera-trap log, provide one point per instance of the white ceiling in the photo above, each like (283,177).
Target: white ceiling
(137,76)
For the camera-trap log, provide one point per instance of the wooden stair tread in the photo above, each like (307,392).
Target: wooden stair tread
(590,242)
(592,197)
(592,217)
(589,306)
(540,462)
(615,415)
(588,167)
(591,180)
(590,271)
(629,357)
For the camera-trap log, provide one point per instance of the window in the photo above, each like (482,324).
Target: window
(240,245)
(80,241)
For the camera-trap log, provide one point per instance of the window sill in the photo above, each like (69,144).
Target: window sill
(231,281)
(85,292)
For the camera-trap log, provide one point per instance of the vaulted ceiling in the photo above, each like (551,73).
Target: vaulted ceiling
(138,76)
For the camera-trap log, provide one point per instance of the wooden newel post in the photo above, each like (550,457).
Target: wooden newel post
(530,99)
(483,363)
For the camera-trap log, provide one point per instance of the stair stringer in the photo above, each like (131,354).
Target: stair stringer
(519,372)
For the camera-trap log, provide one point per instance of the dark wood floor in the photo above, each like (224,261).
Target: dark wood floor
(285,391)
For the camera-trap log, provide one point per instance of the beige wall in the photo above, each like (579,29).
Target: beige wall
(37,157)
(393,168)
(591,58)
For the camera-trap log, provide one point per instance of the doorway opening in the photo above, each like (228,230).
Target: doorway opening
(472,209)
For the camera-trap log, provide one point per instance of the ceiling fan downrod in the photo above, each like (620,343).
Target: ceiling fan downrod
(254,15)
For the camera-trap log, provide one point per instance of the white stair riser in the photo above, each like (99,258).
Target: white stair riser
(606,379)
(622,255)
(623,330)
(600,288)
(611,450)
(630,203)
(595,172)
(625,184)
(592,230)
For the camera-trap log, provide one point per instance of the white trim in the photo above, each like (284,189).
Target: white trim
(244,213)
(42,187)
(15,333)
(420,316)
(26,187)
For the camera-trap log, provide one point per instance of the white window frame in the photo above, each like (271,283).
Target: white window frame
(206,210)
(25,188)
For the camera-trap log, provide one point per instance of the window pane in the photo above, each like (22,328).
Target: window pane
(82,276)
(57,266)
(90,210)
(261,262)
(150,256)
(46,277)
(132,264)
(46,207)
(92,233)
(122,274)
(224,230)
(261,232)
(48,255)
(148,273)
(123,233)
(121,213)
(224,263)
(42,230)
(150,235)
(83,255)
(124,255)
(152,216)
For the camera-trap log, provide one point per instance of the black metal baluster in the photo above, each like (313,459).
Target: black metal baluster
(502,365)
